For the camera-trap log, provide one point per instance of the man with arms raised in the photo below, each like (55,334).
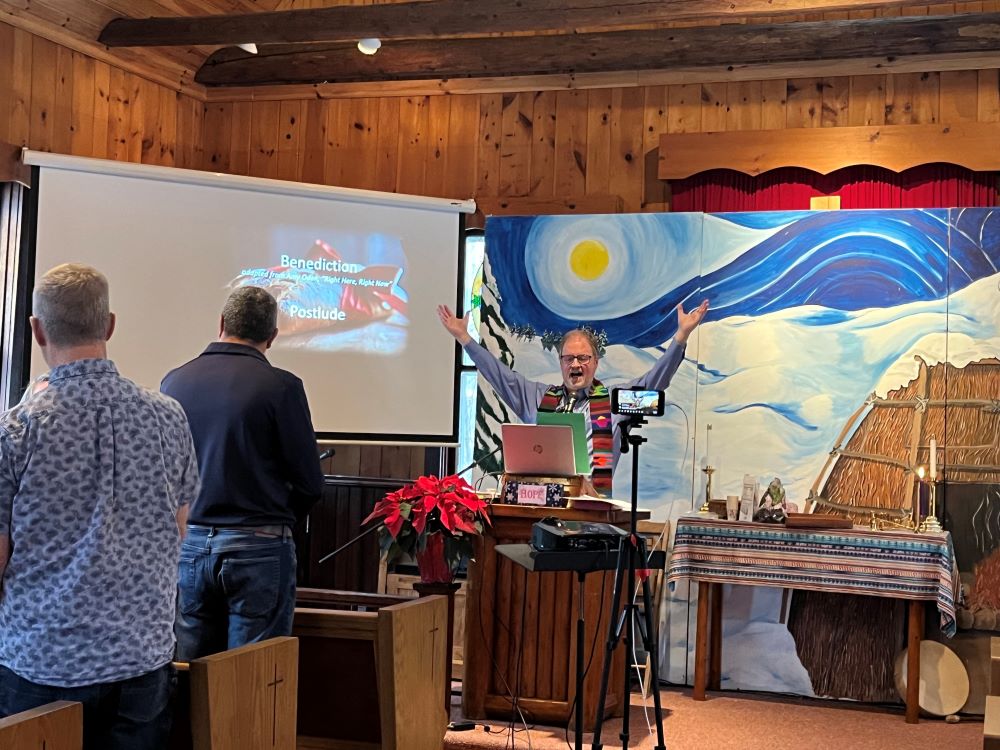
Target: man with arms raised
(257,453)
(579,391)
(96,474)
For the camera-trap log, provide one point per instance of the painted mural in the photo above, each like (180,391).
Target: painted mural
(813,314)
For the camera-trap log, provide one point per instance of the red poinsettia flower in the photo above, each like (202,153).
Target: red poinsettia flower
(447,506)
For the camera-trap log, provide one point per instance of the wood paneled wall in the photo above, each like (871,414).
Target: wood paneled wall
(558,144)
(388,461)
(55,99)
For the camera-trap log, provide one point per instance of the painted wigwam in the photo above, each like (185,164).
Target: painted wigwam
(874,476)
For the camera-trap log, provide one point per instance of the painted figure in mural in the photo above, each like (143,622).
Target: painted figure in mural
(580,391)
(772,506)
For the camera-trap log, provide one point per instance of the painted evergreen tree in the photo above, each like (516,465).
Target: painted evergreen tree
(491,412)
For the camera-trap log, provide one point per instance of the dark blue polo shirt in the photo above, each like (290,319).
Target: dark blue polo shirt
(253,434)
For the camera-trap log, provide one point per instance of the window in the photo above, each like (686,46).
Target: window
(14,337)
(472,281)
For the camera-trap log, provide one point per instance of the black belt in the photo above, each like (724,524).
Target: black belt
(272,530)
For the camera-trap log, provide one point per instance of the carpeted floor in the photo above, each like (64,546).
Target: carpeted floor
(748,722)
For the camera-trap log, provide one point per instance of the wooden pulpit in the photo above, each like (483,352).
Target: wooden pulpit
(245,698)
(520,635)
(54,726)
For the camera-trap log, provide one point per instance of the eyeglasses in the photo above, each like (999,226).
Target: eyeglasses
(567,359)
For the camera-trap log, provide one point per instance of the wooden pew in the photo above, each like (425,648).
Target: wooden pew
(991,721)
(241,699)
(54,726)
(994,666)
(372,680)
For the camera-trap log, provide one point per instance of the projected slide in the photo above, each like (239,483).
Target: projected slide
(357,276)
(339,296)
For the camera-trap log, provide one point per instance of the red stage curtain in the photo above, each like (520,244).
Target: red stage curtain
(863,186)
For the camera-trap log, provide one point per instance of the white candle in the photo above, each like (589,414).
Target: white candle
(708,444)
(933,459)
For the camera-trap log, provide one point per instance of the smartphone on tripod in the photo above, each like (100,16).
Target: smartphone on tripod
(637,402)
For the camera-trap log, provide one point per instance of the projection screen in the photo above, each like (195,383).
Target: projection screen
(357,275)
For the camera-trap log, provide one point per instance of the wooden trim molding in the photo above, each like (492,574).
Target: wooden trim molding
(530,206)
(12,167)
(824,150)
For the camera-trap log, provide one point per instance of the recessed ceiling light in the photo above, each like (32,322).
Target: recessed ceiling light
(369,46)
(248,47)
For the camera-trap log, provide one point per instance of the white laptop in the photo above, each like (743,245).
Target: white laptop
(538,449)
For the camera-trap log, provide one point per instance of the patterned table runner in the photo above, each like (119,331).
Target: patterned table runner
(898,564)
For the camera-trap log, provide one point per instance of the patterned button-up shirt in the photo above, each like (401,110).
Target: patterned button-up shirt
(93,470)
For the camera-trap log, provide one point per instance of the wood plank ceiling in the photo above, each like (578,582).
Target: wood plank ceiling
(77,24)
(189,44)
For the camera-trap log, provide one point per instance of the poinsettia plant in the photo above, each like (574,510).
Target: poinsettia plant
(413,513)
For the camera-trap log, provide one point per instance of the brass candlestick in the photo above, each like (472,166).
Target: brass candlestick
(705,509)
(881,523)
(916,518)
(931,522)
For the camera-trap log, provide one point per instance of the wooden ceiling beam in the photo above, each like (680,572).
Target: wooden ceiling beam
(691,48)
(583,81)
(439,19)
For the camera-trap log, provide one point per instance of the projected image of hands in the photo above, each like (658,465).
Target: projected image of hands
(331,298)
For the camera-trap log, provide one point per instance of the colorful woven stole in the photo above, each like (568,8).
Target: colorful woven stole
(600,426)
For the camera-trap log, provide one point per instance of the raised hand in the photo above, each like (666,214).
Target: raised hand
(457,327)
(688,321)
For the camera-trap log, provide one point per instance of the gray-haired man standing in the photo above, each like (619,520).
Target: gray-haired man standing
(96,474)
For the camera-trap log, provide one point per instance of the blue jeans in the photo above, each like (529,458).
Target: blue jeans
(234,587)
(132,714)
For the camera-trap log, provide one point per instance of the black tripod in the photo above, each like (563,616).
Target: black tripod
(630,549)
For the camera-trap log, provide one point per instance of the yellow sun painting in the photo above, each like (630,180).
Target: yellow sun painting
(589,259)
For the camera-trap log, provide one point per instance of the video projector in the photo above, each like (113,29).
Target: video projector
(556,535)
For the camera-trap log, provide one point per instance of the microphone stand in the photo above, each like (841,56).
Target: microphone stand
(347,544)
(476,461)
